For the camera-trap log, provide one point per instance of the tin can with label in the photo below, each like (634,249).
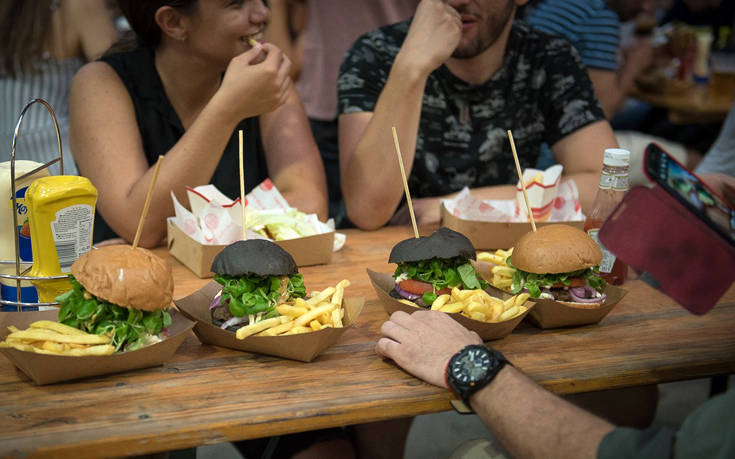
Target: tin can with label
(8,287)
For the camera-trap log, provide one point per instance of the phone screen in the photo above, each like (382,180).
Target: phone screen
(687,186)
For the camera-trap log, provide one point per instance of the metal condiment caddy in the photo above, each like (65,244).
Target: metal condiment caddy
(20,274)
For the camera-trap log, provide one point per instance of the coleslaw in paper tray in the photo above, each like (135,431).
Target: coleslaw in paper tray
(215,219)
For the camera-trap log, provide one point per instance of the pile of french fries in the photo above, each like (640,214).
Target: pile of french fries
(479,305)
(502,273)
(46,337)
(322,310)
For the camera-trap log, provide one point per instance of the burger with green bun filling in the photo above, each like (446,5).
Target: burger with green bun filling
(558,262)
(433,265)
(256,275)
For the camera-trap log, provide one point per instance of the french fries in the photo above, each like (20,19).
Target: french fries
(323,310)
(480,305)
(502,273)
(46,337)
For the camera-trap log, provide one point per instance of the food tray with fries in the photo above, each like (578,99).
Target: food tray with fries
(491,317)
(548,313)
(303,330)
(49,352)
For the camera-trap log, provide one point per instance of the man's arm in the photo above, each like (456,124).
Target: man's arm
(528,420)
(611,88)
(581,154)
(371,179)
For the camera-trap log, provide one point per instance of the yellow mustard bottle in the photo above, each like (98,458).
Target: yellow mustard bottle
(61,219)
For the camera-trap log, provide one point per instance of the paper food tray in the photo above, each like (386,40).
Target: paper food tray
(383,284)
(47,369)
(306,251)
(304,346)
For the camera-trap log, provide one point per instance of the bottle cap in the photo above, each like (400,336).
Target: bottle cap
(616,157)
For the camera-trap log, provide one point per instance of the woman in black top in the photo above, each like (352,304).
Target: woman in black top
(191,84)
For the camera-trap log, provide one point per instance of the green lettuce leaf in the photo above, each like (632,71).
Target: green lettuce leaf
(258,294)
(128,328)
(441,273)
(534,283)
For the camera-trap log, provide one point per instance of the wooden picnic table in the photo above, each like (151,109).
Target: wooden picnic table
(698,103)
(207,394)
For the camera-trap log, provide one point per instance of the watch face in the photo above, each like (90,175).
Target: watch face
(471,366)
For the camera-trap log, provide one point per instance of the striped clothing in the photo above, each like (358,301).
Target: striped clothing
(37,137)
(590,25)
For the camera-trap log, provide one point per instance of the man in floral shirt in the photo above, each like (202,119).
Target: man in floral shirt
(453,80)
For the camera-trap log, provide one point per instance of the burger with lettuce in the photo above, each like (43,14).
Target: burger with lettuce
(433,265)
(558,262)
(256,275)
(121,292)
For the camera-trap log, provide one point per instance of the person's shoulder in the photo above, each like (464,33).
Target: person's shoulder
(94,77)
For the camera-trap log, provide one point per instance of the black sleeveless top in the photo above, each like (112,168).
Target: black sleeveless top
(160,129)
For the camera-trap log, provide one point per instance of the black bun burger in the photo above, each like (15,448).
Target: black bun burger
(431,266)
(558,262)
(256,275)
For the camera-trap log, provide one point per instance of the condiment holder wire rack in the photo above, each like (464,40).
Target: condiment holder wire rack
(20,274)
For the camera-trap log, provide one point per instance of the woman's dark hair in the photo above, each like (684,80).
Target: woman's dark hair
(141,17)
(24,32)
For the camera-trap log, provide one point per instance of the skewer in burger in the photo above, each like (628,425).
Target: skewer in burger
(120,292)
(433,265)
(256,275)
(558,262)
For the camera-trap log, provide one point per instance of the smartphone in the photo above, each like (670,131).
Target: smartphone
(672,250)
(690,190)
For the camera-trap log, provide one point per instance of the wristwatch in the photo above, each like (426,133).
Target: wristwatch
(471,369)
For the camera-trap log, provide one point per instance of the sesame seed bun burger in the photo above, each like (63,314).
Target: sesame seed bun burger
(256,275)
(558,262)
(120,292)
(433,265)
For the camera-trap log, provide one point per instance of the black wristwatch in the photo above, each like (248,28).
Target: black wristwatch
(471,369)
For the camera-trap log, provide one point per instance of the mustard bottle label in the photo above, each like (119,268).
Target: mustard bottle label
(72,233)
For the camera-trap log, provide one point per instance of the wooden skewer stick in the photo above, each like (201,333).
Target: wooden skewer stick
(520,177)
(242,191)
(405,182)
(147,202)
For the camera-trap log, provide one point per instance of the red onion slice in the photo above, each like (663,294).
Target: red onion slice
(215,301)
(233,321)
(407,295)
(586,294)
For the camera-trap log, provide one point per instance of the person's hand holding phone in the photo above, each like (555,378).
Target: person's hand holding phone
(722,184)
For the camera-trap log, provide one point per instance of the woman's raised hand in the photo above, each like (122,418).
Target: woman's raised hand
(255,82)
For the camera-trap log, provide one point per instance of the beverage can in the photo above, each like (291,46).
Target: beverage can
(8,287)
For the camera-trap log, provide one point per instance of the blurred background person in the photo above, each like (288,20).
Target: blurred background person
(329,28)
(593,28)
(286,30)
(42,45)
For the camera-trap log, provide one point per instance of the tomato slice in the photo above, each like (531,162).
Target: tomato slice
(573,282)
(415,287)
